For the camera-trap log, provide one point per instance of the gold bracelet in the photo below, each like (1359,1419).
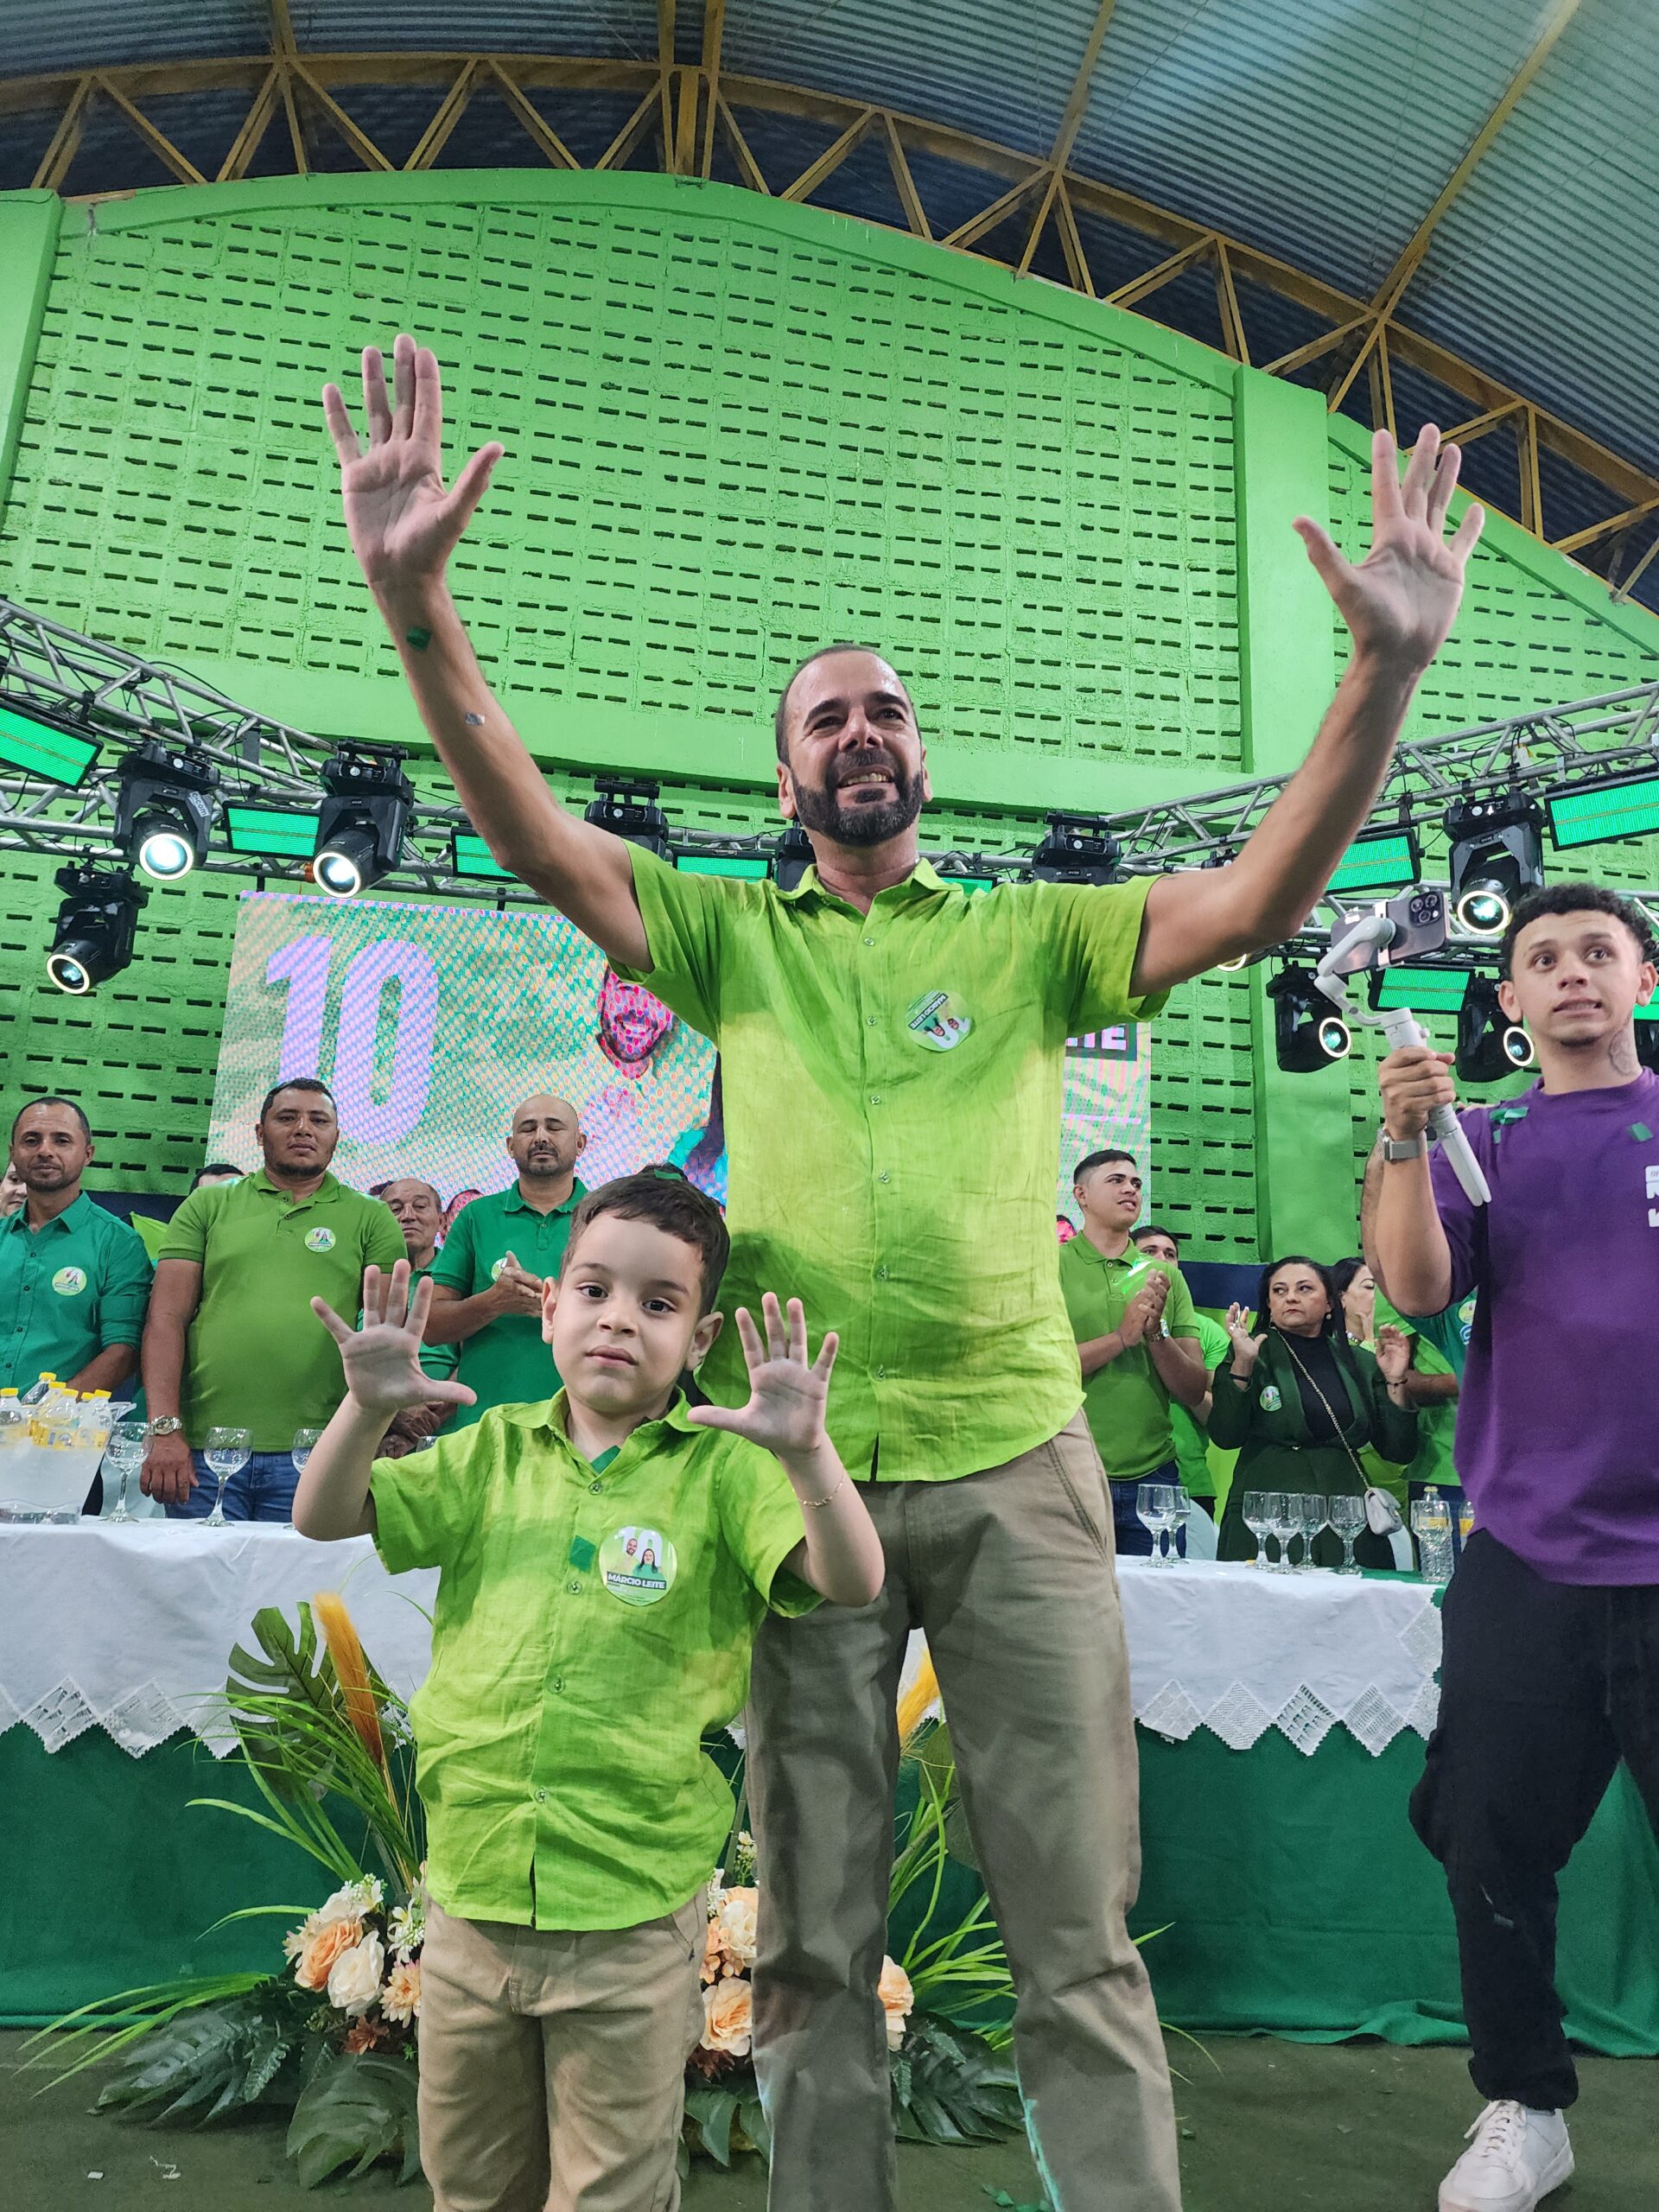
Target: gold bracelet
(829,1498)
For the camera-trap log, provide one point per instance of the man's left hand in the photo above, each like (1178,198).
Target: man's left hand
(1400,600)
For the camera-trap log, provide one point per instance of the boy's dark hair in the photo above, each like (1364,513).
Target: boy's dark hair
(55,1098)
(1090,1161)
(1153,1229)
(295,1082)
(1575,899)
(668,1202)
(1333,1326)
(779,726)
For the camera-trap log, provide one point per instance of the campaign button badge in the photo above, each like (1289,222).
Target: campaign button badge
(638,1566)
(938,1021)
(69,1280)
(320,1239)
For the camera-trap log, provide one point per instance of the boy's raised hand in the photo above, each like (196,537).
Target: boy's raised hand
(382,1354)
(787,1396)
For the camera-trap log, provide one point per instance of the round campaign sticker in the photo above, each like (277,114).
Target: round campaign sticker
(69,1280)
(319,1240)
(638,1566)
(497,1269)
(1271,1400)
(938,1021)
(1466,1319)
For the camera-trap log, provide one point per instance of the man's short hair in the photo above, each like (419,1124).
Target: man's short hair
(1153,1229)
(214,1167)
(1575,899)
(53,1098)
(295,1082)
(779,724)
(1090,1161)
(380,1189)
(668,1203)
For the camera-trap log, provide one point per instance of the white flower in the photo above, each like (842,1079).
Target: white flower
(354,1979)
(737,1916)
(353,1903)
(406,1930)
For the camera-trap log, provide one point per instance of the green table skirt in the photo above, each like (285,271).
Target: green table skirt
(1292,1897)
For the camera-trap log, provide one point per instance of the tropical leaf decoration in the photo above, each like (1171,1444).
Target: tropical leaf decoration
(352,1674)
(358,2110)
(949,2086)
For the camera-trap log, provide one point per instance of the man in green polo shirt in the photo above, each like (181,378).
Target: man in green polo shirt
(73,1281)
(417,1208)
(487,1280)
(1190,1426)
(1137,1338)
(232,1341)
(892,1054)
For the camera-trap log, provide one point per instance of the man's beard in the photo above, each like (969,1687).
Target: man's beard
(823,810)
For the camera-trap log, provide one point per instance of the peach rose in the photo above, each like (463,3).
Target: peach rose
(897,1998)
(714,1952)
(728,2018)
(401,1997)
(738,1912)
(354,1978)
(319,1952)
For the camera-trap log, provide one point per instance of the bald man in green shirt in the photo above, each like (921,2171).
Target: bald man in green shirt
(892,1055)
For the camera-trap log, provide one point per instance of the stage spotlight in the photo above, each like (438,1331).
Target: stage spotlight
(1496,855)
(793,857)
(628,807)
(1307,1031)
(1490,1044)
(93,936)
(164,811)
(361,824)
(1076,849)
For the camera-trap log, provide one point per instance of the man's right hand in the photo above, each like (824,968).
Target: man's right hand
(403,525)
(1414,1082)
(515,1290)
(168,1474)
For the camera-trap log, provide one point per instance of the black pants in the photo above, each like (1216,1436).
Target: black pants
(1544,1686)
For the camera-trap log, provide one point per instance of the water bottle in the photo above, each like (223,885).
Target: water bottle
(1430,1520)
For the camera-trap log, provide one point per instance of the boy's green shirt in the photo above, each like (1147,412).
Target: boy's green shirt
(592,1623)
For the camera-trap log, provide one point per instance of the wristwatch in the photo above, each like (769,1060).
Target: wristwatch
(1403,1148)
(165,1425)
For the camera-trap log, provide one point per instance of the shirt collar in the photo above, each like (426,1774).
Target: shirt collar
(514,1201)
(1129,1257)
(552,1417)
(923,878)
(72,1216)
(261,1181)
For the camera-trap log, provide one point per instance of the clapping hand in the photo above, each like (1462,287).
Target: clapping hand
(1392,1354)
(1246,1348)
(787,1396)
(517,1291)
(1143,1312)
(1400,600)
(382,1354)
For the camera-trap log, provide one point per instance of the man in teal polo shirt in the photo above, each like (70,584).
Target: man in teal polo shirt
(487,1280)
(1137,1338)
(74,1281)
(893,1056)
(232,1341)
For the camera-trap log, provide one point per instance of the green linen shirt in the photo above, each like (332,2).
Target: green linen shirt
(1126,1402)
(508,1361)
(67,1290)
(594,1621)
(1191,1444)
(257,1357)
(893,1086)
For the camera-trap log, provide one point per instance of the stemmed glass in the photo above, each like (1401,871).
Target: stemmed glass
(304,1444)
(1286,1524)
(1313,1519)
(1259,1517)
(124,1454)
(1154,1507)
(226,1451)
(1182,1515)
(1347,1521)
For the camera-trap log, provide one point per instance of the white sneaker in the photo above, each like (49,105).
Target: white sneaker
(1515,2158)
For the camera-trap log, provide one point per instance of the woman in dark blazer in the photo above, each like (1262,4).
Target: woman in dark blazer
(1301,1403)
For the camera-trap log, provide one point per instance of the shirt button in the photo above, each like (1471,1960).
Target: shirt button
(881,1274)
(875,1098)
(869,940)
(540,1796)
(596,1488)
(884,1176)
(573,1587)
(869,1021)
(880,1374)
(558,1682)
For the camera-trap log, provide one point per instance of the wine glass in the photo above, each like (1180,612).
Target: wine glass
(1258,1517)
(123,1454)
(1312,1517)
(1287,1524)
(226,1451)
(304,1444)
(1347,1521)
(1180,1515)
(1154,1508)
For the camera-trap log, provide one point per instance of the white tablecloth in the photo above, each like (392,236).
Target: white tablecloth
(128,1630)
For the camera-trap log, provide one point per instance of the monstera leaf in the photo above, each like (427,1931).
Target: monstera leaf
(205,2062)
(949,2086)
(356,2111)
(284,1703)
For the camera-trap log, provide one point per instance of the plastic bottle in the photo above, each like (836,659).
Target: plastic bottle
(1432,1523)
(13,1420)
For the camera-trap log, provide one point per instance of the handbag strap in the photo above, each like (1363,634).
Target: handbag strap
(1365,1483)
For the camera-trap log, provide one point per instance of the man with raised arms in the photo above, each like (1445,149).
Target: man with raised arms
(877,1029)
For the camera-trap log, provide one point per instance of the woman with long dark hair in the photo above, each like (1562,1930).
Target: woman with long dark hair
(1301,1403)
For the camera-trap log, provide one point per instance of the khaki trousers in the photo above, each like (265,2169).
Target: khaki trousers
(1010,1574)
(552,2062)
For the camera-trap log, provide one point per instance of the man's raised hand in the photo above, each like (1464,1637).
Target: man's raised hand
(403,525)
(1400,600)
(787,1396)
(382,1354)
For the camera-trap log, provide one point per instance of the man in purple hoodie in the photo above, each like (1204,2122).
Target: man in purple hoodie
(1551,1671)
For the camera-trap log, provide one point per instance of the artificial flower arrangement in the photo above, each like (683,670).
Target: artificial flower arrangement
(332,2039)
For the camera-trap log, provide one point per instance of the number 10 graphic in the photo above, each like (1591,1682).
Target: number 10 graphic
(305,966)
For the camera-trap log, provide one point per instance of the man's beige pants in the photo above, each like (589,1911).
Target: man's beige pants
(553,2062)
(1010,1574)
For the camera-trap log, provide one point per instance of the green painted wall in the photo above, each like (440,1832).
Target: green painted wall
(736,429)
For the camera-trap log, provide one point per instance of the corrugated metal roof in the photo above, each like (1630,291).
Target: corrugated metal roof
(38,37)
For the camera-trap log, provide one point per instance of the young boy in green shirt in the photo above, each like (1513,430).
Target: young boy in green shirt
(606,1559)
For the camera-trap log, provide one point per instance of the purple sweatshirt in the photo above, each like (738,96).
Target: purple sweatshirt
(1558,1422)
